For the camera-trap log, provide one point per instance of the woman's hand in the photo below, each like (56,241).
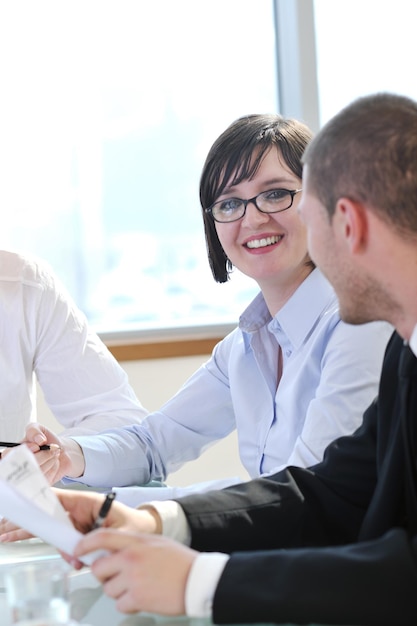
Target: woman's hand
(65,457)
(10,532)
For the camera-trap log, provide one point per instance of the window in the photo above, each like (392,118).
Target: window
(108,110)
(363,48)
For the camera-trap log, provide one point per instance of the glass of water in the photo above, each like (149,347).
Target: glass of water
(37,593)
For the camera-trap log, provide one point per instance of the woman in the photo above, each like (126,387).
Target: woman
(291,378)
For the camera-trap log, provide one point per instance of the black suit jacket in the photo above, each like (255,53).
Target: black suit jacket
(350,522)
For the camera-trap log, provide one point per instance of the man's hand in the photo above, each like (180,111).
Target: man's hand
(83,508)
(142,572)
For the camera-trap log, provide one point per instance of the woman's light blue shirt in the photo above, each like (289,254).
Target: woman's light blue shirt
(330,375)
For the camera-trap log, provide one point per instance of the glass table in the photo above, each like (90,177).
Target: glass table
(89,606)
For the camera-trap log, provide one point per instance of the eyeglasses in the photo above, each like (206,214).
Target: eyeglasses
(233,209)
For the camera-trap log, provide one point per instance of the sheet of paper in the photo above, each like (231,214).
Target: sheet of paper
(20,471)
(26,499)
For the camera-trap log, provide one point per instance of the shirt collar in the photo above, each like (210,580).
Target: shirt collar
(313,297)
(413,341)
(299,314)
(255,316)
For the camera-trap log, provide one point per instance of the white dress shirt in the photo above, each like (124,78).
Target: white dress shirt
(413,340)
(330,375)
(43,334)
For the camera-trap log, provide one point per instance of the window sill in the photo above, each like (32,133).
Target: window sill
(164,343)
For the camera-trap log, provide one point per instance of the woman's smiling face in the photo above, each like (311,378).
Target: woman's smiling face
(270,248)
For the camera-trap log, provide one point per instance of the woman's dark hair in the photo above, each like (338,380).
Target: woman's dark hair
(236,156)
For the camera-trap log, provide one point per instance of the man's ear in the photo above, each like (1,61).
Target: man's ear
(350,218)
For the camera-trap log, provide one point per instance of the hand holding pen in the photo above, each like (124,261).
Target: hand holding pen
(104,510)
(13,444)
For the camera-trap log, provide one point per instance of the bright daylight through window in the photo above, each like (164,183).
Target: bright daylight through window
(108,111)
(363,47)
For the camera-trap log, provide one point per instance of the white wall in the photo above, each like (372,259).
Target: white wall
(155,381)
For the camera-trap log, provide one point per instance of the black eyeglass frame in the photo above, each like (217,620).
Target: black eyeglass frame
(291,192)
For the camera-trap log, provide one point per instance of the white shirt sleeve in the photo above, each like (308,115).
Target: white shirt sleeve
(174,522)
(202,583)
(206,569)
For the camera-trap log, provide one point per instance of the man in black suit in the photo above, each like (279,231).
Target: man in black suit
(335,543)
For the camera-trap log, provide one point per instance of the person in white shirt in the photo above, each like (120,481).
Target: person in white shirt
(45,337)
(292,377)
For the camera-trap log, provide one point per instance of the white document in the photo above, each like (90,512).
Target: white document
(26,499)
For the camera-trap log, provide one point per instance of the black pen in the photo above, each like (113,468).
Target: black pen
(10,444)
(105,508)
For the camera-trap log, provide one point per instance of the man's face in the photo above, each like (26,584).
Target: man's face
(319,230)
(328,248)
(361,297)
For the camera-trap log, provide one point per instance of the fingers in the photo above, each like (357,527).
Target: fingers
(120,571)
(49,461)
(45,456)
(128,599)
(9,532)
(103,539)
(141,572)
(40,435)
(76,564)
(82,506)
(119,582)
(54,462)
(15,535)
(6,526)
